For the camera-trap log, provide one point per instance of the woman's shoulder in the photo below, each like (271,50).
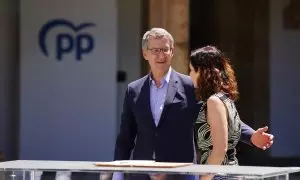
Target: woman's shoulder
(214,100)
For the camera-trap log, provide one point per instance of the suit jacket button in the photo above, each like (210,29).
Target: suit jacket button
(156,134)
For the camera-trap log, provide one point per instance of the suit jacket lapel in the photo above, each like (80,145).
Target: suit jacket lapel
(145,101)
(171,91)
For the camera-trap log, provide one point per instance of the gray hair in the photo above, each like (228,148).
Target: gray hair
(157,33)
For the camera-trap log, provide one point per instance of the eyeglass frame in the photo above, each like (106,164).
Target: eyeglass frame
(164,50)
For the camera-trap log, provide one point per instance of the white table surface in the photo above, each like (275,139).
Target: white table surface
(85,166)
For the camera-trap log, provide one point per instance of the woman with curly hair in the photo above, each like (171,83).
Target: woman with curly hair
(218,126)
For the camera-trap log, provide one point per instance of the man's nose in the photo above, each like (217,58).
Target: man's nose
(161,54)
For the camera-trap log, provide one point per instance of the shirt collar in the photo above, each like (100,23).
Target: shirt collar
(164,80)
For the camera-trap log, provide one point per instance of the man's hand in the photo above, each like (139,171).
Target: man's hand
(261,139)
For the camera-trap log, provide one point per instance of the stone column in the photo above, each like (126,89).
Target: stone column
(173,15)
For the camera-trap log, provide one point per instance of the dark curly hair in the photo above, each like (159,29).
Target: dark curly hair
(216,73)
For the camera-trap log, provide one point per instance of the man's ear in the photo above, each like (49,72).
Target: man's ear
(172,52)
(145,55)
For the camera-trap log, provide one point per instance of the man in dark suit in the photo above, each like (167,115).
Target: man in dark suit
(160,109)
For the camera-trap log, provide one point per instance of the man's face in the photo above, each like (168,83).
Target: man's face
(159,54)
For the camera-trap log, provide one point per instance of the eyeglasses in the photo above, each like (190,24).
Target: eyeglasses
(156,51)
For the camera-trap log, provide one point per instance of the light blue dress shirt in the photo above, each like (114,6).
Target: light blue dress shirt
(158,96)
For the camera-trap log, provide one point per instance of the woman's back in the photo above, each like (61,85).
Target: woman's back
(203,137)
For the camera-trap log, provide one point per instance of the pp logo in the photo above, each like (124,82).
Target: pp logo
(65,43)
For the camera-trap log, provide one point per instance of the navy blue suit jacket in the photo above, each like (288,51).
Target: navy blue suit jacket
(172,139)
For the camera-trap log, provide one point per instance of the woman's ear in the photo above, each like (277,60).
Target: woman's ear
(217,70)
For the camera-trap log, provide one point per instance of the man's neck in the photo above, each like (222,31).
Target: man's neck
(157,77)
